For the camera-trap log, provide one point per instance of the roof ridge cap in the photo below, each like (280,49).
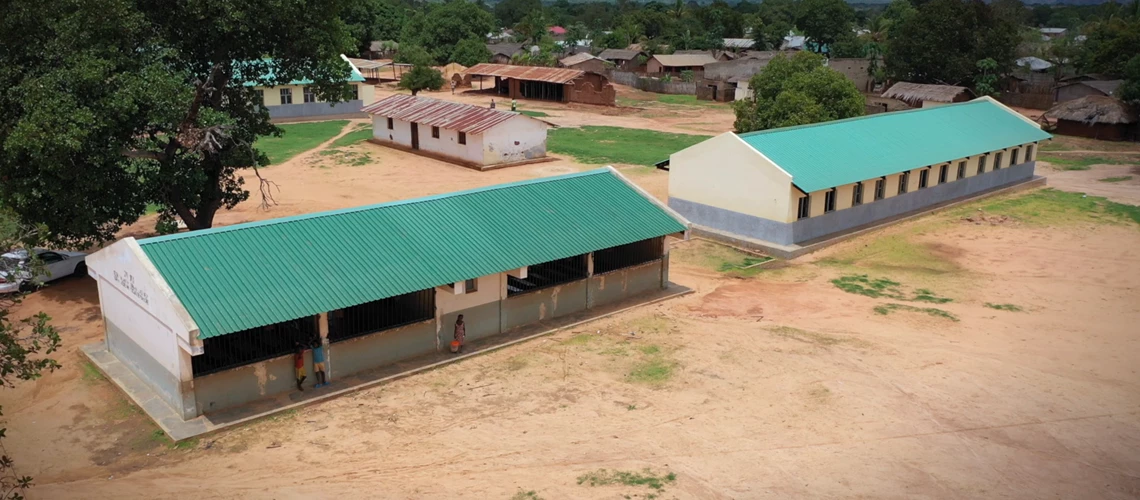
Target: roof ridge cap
(854,118)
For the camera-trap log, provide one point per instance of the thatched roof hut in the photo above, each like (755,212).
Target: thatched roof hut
(922,95)
(1099,117)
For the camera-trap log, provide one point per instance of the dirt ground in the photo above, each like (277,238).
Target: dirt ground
(764,383)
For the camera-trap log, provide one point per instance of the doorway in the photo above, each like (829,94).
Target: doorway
(415,135)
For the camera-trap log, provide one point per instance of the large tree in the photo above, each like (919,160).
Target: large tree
(825,22)
(1110,45)
(945,39)
(510,12)
(108,106)
(370,20)
(797,90)
(439,27)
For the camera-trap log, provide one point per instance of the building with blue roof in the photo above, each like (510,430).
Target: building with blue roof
(297,100)
(787,187)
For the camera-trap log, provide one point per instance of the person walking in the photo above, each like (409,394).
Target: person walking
(460,332)
(319,364)
(514,105)
(492,104)
(299,365)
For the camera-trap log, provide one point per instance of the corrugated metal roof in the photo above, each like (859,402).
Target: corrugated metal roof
(578,58)
(443,114)
(619,54)
(830,154)
(682,60)
(270,74)
(248,275)
(533,73)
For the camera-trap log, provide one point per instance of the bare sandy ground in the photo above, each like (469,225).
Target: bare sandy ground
(771,385)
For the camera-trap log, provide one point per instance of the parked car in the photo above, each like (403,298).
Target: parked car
(56,264)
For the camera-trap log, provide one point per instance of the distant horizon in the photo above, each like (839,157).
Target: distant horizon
(859,2)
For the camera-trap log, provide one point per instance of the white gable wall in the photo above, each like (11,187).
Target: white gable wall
(725,172)
(520,138)
(147,329)
(446,145)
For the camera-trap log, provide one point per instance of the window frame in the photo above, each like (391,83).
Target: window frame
(1013,156)
(260,97)
(961,170)
(471,285)
(286,95)
(904,182)
(391,124)
(880,188)
(307,95)
(434,132)
(997,160)
(355,92)
(857,194)
(803,210)
(462,137)
(1029,152)
(829,200)
(981,165)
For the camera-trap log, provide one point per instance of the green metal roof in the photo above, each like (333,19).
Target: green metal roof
(270,75)
(248,275)
(826,155)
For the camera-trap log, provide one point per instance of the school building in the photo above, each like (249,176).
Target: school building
(793,185)
(296,100)
(209,319)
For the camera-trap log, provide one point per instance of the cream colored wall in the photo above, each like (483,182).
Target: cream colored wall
(843,196)
(892,188)
(365,92)
(724,172)
(489,290)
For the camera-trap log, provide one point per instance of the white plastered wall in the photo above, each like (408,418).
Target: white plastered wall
(517,139)
(447,144)
(727,173)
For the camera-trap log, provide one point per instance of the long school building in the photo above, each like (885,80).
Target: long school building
(209,319)
(793,185)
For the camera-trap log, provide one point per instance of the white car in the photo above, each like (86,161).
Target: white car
(56,264)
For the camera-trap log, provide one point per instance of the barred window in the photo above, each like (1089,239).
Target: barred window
(628,255)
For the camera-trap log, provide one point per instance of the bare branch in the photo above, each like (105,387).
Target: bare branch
(266,187)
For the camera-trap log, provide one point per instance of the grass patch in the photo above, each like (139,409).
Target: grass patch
(647,478)
(720,258)
(349,158)
(861,284)
(650,349)
(889,308)
(297,138)
(654,370)
(517,363)
(91,373)
(814,337)
(358,135)
(580,339)
(1116,179)
(535,114)
(893,252)
(1004,307)
(1050,206)
(602,145)
(1082,162)
(687,100)
(526,495)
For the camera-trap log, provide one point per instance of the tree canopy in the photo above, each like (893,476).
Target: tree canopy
(944,40)
(110,106)
(370,20)
(825,22)
(440,27)
(471,51)
(797,90)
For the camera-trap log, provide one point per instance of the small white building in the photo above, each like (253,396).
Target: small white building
(469,135)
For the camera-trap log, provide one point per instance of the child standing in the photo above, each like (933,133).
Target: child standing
(319,364)
(299,365)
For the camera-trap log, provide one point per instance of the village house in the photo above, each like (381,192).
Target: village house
(723,81)
(549,84)
(472,136)
(920,95)
(1081,87)
(1096,116)
(781,188)
(502,53)
(625,60)
(297,99)
(678,63)
(583,61)
(208,320)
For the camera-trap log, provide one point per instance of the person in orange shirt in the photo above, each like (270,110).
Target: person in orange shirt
(299,365)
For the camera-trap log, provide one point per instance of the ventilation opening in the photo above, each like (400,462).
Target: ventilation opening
(548,274)
(253,345)
(628,255)
(380,315)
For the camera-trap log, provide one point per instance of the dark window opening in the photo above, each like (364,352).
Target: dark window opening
(904,179)
(829,201)
(880,189)
(383,314)
(286,96)
(857,194)
(923,178)
(943,173)
(308,94)
(355,93)
(1029,153)
(982,164)
(253,345)
(961,170)
(804,210)
(463,137)
(548,274)
(471,285)
(435,132)
(629,255)
(997,161)
(1013,157)
(390,127)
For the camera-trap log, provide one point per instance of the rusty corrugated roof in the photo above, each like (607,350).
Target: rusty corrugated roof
(532,73)
(443,114)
